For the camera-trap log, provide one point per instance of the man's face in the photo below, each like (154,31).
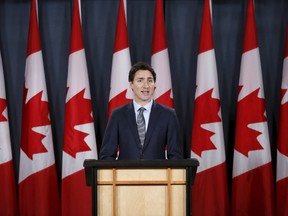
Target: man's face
(143,86)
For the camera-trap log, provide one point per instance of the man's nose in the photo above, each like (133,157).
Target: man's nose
(146,84)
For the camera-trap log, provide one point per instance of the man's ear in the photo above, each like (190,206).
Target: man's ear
(131,85)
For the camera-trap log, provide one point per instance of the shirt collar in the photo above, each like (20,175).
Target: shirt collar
(147,107)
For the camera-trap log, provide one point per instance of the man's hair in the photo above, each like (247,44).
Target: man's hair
(140,66)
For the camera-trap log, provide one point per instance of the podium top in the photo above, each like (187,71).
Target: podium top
(93,171)
(92,163)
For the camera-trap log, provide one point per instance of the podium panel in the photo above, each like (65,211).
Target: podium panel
(146,200)
(143,188)
(145,191)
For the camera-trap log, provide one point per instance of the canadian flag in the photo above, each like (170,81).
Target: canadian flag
(79,132)
(160,59)
(209,193)
(8,198)
(38,185)
(120,93)
(282,147)
(252,183)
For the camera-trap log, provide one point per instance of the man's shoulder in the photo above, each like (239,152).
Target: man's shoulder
(123,108)
(163,108)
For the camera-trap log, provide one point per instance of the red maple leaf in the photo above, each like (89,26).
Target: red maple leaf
(165,99)
(35,113)
(206,111)
(78,111)
(2,108)
(117,101)
(250,109)
(283,125)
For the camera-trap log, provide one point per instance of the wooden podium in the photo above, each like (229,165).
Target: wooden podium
(142,187)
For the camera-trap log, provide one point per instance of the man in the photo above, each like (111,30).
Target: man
(139,138)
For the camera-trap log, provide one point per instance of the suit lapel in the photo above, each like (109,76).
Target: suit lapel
(154,118)
(130,115)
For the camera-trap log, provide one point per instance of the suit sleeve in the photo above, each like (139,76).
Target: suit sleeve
(109,145)
(174,143)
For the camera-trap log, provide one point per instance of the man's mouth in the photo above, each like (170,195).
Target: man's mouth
(145,92)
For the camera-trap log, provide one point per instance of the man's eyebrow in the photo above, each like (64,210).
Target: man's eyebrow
(144,78)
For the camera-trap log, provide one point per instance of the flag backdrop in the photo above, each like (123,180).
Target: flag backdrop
(210,187)
(252,183)
(160,59)
(282,148)
(183,30)
(38,184)
(79,132)
(8,198)
(120,92)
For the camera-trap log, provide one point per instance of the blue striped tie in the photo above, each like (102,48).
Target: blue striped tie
(141,125)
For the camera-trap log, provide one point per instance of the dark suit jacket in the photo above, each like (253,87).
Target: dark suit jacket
(122,131)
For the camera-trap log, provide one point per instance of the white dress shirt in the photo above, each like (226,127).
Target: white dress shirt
(146,112)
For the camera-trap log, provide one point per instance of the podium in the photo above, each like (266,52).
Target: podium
(141,187)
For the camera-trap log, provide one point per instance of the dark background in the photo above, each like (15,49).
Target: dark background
(183,20)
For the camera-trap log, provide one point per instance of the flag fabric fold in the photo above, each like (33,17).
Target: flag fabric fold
(8,198)
(282,146)
(252,182)
(79,132)
(209,192)
(120,93)
(38,183)
(160,59)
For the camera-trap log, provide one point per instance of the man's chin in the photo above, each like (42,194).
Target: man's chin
(146,99)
